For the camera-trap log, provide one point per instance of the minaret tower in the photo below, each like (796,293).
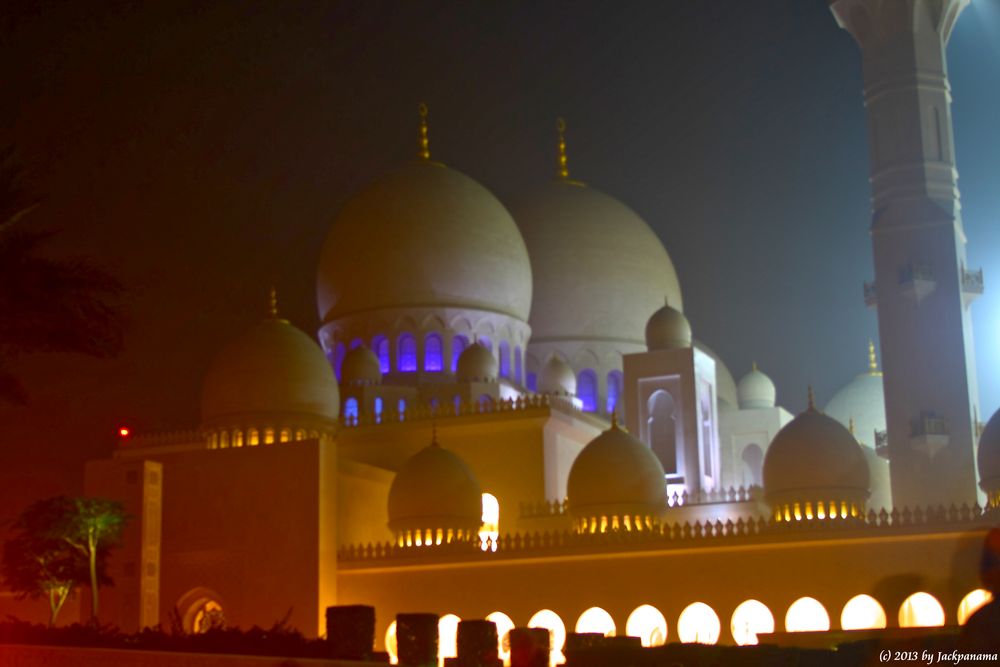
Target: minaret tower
(922,286)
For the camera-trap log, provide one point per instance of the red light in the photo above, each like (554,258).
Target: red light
(123,432)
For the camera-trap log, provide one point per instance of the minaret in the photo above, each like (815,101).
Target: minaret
(922,286)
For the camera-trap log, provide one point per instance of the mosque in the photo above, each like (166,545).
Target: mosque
(505,415)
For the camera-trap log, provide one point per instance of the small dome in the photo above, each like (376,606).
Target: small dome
(476,364)
(988,459)
(557,377)
(615,475)
(435,490)
(360,367)
(755,390)
(814,458)
(598,268)
(272,369)
(668,329)
(423,236)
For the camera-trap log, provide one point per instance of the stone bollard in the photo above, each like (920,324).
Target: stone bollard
(529,647)
(350,632)
(477,644)
(417,640)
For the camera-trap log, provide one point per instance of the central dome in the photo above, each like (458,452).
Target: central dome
(599,270)
(424,236)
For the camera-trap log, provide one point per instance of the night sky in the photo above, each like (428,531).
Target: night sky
(200,151)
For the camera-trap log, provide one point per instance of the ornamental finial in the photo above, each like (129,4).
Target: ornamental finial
(272,302)
(561,129)
(425,147)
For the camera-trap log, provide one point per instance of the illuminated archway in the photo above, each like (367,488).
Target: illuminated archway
(698,624)
(548,619)
(490,530)
(596,620)
(390,643)
(504,626)
(648,624)
(862,612)
(750,618)
(201,609)
(971,603)
(447,637)
(921,610)
(807,615)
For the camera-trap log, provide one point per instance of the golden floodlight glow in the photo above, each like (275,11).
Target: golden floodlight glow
(750,618)
(971,603)
(921,610)
(490,530)
(447,637)
(648,624)
(596,619)
(390,643)
(862,612)
(698,624)
(504,626)
(807,615)
(548,619)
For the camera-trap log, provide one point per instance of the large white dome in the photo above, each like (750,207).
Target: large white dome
(599,270)
(863,401)
(424,236)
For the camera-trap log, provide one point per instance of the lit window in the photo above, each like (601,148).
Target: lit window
(447,637)
(432,353)
(351,408)
(504,359)
(862,612)
(390,643)
(550,620)
(401,407)
(338,358)
(518,370)
(209,616)
(586,390)
(407,353)
(458,404)
(253,437)
(749,619)
(378,408)
(921,610)
(224,439)
(286,435)
(971,603)
(532,382)
(648,624)
(491,522)
(268,436)
(380,344)
(357,342)
(504,626)
(614,391)
(698,624)
(237,438)
(213,441)
(458,345)
(807,615)
(596,620)
(300,434)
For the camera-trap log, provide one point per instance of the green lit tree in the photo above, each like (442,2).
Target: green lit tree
(91,527)
(48,304)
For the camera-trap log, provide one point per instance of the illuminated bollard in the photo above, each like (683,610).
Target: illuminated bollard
(529,647)
(350,631)
(417,640)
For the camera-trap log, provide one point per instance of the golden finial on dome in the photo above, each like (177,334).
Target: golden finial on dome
(872,360)
(272,302)
(614,420)
(812,400)
(850,425)
(425,147)
(561,129)
(753,366)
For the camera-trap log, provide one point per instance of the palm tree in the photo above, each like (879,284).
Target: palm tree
(47,304)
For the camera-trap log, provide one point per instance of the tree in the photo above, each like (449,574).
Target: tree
(48,304)
(35,564)
(91,527)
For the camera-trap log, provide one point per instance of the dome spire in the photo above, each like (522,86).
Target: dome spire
(425,146)
(812,400)
(872,360)
(272,302)
(561,129)
(753,366)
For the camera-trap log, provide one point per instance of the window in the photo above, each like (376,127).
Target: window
(504,626)
(661,430)
(596,620)
(224,439)
(268,436)
(407,353)
(237,438)
(504,359)
(357,342)
(253,437)
(338,358)
(458,345)
(548,619)
(921,610)
(698,624)
(807,615)
(380,345)
(862,612)
(648,624)
(286,435)
(447,637)
(614,391)
(586,390)
(490,530)
(518,370)
(532,381)
(750,618)
(378,408)
(401,408)
(458,404)
(432,353)
(351,408)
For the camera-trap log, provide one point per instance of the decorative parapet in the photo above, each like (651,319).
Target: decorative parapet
(548,508)
(972,281)
(443,411)
(164,438)
(684,535)
(871,297)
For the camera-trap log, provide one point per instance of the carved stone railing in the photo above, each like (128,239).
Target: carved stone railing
(549,508)
(163,438)
(672,536)
(916,271)
(972,281)
(423,412)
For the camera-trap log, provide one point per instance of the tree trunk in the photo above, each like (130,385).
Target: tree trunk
(57,597)
(92,554)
